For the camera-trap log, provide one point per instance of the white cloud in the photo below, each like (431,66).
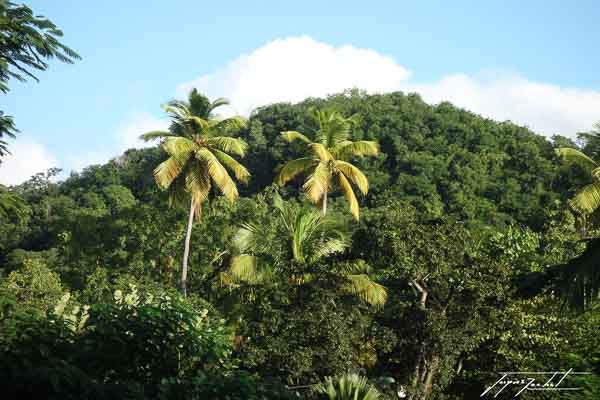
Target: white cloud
(294,68)
(128,134)
(27,158)
(545,108)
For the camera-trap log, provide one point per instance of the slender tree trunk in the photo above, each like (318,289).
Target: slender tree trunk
(428,380)
(324,205)
(186,250)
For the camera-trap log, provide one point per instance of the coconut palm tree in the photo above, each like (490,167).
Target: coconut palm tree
(199,157)
(579,279)
(587,199)
(301,237)
(327,162)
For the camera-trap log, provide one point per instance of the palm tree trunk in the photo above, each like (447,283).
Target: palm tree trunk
(186,250)
(324,205)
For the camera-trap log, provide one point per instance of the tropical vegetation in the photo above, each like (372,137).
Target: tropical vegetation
(476,251)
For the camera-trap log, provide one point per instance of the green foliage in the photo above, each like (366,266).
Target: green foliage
(27,43)
(235,386)
(462,245)
(347,387)
(34,285)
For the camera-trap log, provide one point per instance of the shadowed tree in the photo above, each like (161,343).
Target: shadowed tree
(579,279)
(199,157)
(587,198)
(300,238)
(329,149)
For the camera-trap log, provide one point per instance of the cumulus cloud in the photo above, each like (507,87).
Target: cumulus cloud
(294,68)
(27,159)
(545,108)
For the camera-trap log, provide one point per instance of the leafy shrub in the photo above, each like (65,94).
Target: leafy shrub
(347,387)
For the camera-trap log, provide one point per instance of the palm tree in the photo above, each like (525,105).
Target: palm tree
(587,199)
(301,237)
(347,387)
(199,156)
(578,280)
(330,149)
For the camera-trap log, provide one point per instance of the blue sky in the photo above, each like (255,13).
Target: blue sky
(533,62)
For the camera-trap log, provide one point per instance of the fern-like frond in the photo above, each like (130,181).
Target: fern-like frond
(218,173)
(179,146)
(357,149)
(228,145)
(328,248)
(243,269)
(228,125)
(293,168)
(318,183)
(320,152)
(369,291)
(349,194)
(197,183)
(167,171)
(347,387)
(290,136)
(574,156)
(240,172)
(354,174)
(221,101)
(587,199)
(152,135)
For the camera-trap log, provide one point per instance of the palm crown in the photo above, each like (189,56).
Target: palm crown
(330,149)
(300,237)
(199,152)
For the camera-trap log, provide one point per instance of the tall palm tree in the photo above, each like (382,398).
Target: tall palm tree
(301,237)
(329,152)
(199,156)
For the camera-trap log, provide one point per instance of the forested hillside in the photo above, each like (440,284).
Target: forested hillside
(447,277)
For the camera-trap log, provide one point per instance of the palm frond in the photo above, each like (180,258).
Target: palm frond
(349,194)
(293,168)
(243,269)
(320,151)
(228,125)
(587,199)
(167,171)
(574,156)
(240,172)
(328,248)
(218,173)
(291,136)
(347,387)
(228,144)
(152,135)
(369,291)
(354,174)
(197,184)
(357,149)
(318,183)
(179,146)
(221,101)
